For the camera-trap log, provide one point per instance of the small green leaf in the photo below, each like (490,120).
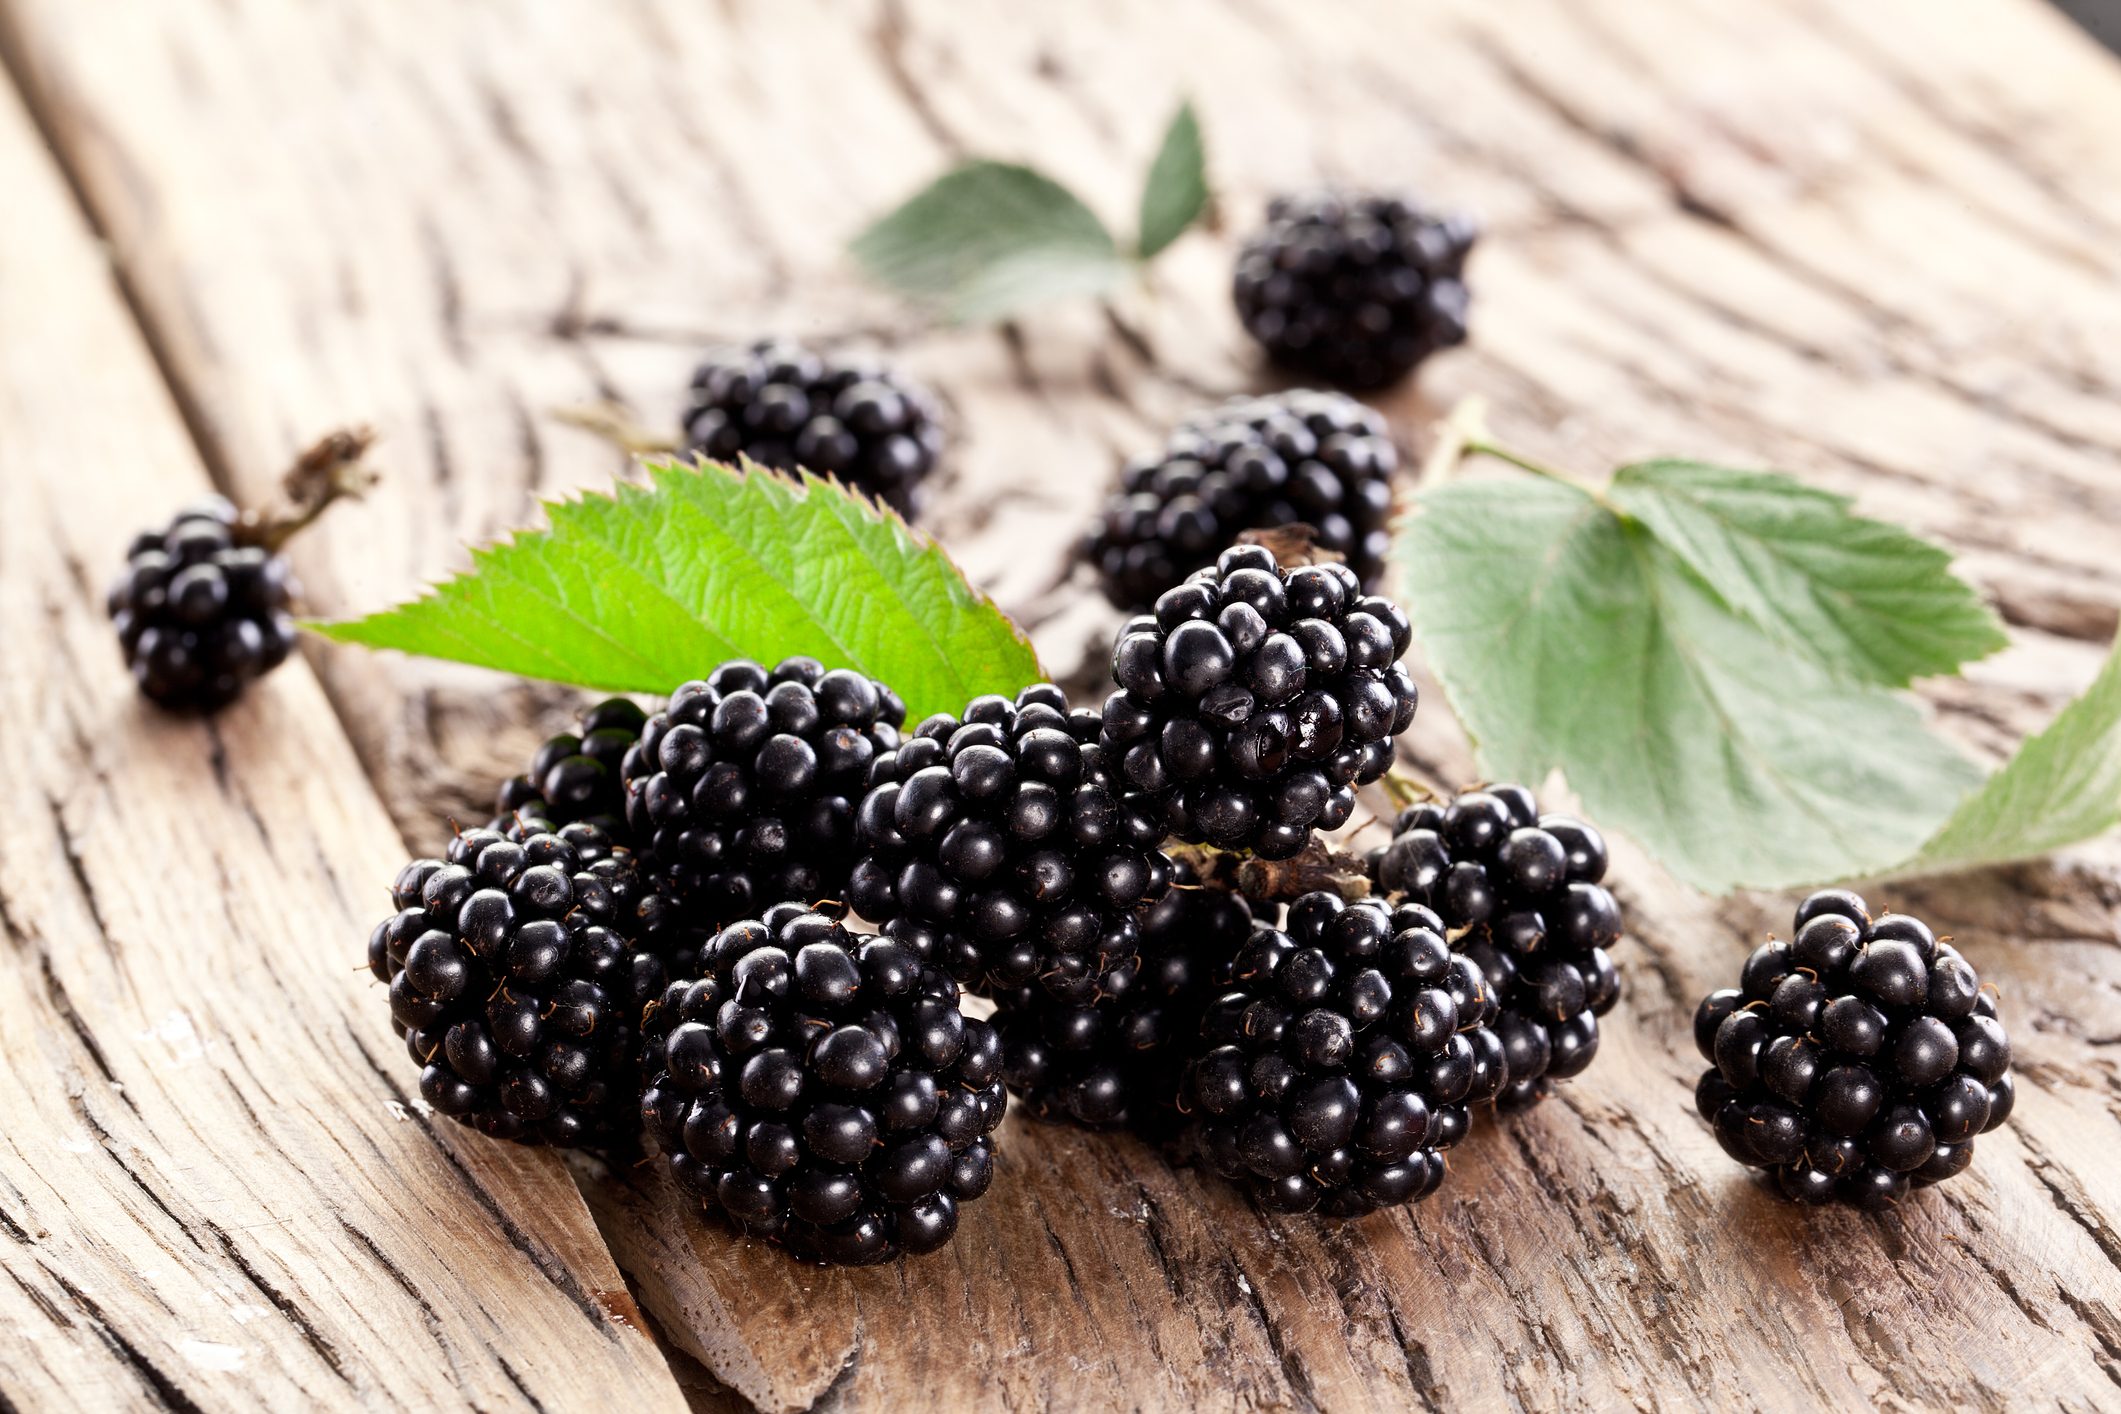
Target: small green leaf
(1864,599)
(1176,191)
(2062,786)
(640,590)
(1571,637)
(990,239)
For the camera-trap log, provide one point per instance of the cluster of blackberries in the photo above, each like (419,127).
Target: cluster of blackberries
(1318,459)
(1857,1060)
(785,406)
(824,1090)
(1521,892)
(1353,289)
(198,614)
(742,792)
(1341,1057)
(518,992)
(1256,699)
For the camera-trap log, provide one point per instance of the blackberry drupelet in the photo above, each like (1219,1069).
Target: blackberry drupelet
(1256,699)
(788,406)
(1320,459)
(1526,888)
(577,777)
(1341,1057)
(741,792)
(1353,289)
(198,614)
(1000,848)
(516,989)
(1856,1061)
(824,1090)
(1115,1060)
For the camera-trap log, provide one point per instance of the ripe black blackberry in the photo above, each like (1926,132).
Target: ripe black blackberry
(577,777)
(788,406)
(198,614)
(741,793)
(1000,848)
(1113,1059)
(1857,1060)
(824,1090)
(516,989)
(1256,699)
(1341,1058)
(1319,459)
(1526,888)
(1354,289)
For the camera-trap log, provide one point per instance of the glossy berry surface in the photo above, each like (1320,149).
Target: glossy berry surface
(1317,459)
(1339,1057)
(741,792)
(1109,1055)
(515,986)
(198,614)
(1353,289)
(788,406)
(823,1090)
(1526,889)
(1856,1061)
(1000,847)
(576,775)
(1255,700)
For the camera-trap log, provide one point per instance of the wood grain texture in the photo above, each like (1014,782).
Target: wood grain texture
(216,1188)
(1871,244)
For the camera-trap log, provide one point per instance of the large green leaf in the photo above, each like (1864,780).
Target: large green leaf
(640,590)
(2062,786)
(1176,190)
(990,239)
(1569,636)
(1864,599)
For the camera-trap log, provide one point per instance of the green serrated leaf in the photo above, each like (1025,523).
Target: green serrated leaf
(1862,598)
(1176,190)
(640,590)
(2062,786)
(990,239)
(1568,637)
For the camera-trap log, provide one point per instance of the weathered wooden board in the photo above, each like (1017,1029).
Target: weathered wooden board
(1871,244)
(212,1191)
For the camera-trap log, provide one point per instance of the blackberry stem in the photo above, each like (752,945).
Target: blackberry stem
(1464,433)
(329,471)
(616,424)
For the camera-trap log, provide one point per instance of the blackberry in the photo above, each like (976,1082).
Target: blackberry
(1353,289)
(517,991)
(1256,699)
(824,1090)
(1525,888)
(198,614)
(1000,848)
(578,777)
(741,793)
(1319,459)
(787,406)
(1340,1059)
(1113,1059)
(1857,1060)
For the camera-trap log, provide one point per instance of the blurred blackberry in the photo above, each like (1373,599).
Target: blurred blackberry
(198,614)
(741,793)
(1320,459)
(1339,1062)
(515,987)
(577,777)
(824,1091)
(788,406)
(1856,1061)
(999,848)
(1353,289)
(1115,1059)
(1257,699)
(1526,887)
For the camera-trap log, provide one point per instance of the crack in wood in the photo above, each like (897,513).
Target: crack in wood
(166,1390)
(285,1304)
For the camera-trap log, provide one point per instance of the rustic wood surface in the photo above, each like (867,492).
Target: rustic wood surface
(1872,244)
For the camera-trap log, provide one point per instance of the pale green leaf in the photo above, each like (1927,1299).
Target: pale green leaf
(1176,190)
